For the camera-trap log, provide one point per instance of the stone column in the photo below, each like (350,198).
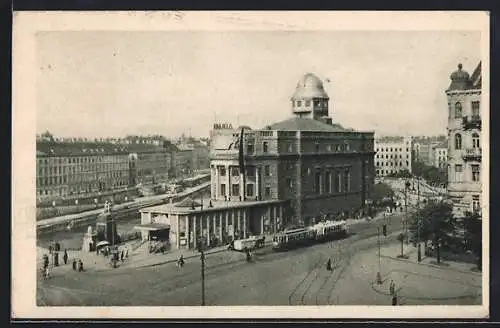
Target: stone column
(195,241)
(177,231)
(257,182)
(208,217)
(261,224)
(244,223)
(188,236)
(275,211)
(228,186)
(216,179)
(281,214)
(231,213)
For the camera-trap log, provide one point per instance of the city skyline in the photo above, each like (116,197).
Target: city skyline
(138,90)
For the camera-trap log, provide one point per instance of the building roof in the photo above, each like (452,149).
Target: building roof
(306,124)
(308,87)
(152,226)
(461,80)
(57,148)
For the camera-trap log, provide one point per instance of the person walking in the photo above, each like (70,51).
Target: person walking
(329,265)
(65,257)
(46,273)
(122,255)
(394,299)
(126,253)
(392,287)
(80,265)
(74,264)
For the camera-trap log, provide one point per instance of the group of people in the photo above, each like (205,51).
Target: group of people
(76,265)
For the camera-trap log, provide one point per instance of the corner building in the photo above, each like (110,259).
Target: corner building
(297,171)
(318,168)
(464,140)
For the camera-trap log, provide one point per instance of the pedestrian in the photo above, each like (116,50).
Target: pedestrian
(329,265)
(394,299)
(122,255)
(45,261)
(80,265)
(50,249)
(391,287)
(74,264)
(46,273)
(126,253)
(65,257)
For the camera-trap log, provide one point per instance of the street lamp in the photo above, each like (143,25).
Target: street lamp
(419,252)
(405,226)
(379,275)
(202,258)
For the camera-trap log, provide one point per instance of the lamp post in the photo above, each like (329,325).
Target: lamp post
(405,228)
(419,252)
(202,258)
(379,275)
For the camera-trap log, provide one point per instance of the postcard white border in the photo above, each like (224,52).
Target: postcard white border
(25,26)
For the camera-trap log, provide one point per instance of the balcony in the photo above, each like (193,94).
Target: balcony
(471,122)
(472,154)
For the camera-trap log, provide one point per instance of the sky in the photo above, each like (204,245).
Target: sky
(99,84)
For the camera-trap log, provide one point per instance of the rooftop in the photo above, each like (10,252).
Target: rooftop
(216,205)
(306,124)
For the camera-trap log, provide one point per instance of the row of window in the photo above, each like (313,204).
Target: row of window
(332,182)
(379,164)
(82,160)
(476,143)
(58,180)
(391,156)
(390,149)
(235,190)
(458,109)
(474,169)
(64,191)
(82,168)
(265,147)
(385,172)
(307,103)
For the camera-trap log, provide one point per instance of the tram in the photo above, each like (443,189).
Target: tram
(320,232)
(243,245)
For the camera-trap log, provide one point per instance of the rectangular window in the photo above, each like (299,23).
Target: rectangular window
(250,148)
(308,103)
(235,190)
(267,191)
(267,171)
(265,147)
(223,189)
(250,171)
(250,192)
(476,205)
(235,171)
(328,186)
(316,146)
(289,184)
(222,171)
(476,174)
(317,183)
(458,172)
(290,148)
(347,181)
(338,182)
(475,109)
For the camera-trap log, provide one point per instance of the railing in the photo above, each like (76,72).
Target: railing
(471,122)
(472,154)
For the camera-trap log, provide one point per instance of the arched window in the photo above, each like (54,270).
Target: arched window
(458,110)
(475,140)
(458,141)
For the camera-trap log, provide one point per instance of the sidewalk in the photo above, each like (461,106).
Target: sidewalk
(140,258)
(393,251)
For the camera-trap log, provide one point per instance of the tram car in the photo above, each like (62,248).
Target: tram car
(293,238)
(321,232)
(330,230)
(242,245)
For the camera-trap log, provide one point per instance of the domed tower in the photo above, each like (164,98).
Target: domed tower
(310,99)
(460,80)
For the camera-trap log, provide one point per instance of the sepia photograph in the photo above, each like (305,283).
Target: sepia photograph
(267,164)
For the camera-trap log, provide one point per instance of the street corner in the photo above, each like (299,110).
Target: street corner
(425,286)
(395,251)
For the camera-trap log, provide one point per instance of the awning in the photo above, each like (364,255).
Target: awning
(102,243)
(152,226)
